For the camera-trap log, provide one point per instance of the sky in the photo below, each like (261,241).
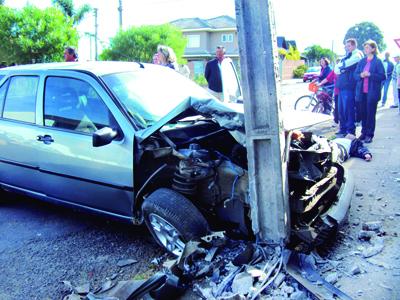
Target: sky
(309,22)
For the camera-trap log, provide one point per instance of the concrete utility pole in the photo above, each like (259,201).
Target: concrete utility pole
(95,33)
(265,137)
(120,14)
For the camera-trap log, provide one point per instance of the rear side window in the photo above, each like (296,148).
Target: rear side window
(74,104)
(3,90)
(20,101)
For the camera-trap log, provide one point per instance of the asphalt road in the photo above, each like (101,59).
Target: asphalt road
(42,245)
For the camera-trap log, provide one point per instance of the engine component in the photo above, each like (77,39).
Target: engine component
(195,175)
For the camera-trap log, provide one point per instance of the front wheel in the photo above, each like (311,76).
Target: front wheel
(173,220)
(305,103)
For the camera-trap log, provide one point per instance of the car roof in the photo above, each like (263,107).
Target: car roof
(98,68)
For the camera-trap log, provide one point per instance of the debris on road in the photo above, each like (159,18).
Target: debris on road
(220,268)
(82,289)
(365,235)
(376,247)
(332,277)
(126,262)
(355,269)
(372,226)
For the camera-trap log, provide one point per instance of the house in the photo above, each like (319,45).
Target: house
(203,36)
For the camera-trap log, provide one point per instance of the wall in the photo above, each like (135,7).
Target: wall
(215,40)
(288,66)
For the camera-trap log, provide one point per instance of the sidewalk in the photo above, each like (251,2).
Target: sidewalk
(376,198)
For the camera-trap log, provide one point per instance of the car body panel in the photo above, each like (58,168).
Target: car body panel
(18,155)
(339,210)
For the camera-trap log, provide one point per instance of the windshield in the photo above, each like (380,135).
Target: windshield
(152,92)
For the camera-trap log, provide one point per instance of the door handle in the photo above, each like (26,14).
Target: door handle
(47,139)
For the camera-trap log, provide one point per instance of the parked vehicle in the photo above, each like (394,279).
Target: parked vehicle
(144,144)
(311,74)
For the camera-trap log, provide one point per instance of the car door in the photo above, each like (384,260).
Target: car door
(19,168)
(232,91)
(74,106)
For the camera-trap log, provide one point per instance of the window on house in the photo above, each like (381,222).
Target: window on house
(227,38)
(193,41)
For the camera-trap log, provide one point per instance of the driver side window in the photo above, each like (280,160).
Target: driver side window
(75,105)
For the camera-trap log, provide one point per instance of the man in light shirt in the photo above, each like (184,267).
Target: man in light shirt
(395,81)
(388,65)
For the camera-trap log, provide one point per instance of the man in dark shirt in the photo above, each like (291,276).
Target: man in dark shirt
(213,73)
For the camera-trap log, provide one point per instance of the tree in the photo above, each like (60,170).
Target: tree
(316,52)
(34,35)
(293,53)
(282,53)
(140,43)
(366,31)
(68,9)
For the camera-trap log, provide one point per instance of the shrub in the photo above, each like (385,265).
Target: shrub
(200,80)
(299,71)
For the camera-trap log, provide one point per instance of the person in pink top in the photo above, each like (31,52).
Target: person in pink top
(331,78)
(369,76)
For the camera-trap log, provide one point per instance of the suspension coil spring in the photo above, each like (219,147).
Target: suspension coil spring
(184,184)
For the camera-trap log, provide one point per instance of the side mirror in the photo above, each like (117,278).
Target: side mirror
(103,136)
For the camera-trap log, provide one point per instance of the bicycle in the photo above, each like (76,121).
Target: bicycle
(320,101)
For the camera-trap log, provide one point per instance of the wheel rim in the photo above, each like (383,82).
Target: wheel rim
(167,234)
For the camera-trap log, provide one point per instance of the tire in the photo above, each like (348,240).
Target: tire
(319,108)
(173,220)
(305,103)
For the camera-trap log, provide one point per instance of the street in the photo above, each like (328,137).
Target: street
(43,245)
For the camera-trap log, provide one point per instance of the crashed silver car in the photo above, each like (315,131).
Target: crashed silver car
(144,144)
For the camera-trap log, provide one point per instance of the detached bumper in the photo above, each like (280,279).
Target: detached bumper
(339,210)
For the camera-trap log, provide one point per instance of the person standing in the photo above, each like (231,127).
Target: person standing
(155,59)
(395,76)
(212,73)
(70,54)
(346,85)
(167,57)
(370,74)
(389,66)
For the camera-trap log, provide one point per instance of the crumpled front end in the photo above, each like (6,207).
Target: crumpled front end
(320,192)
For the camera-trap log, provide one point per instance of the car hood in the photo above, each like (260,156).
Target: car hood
(229,116)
